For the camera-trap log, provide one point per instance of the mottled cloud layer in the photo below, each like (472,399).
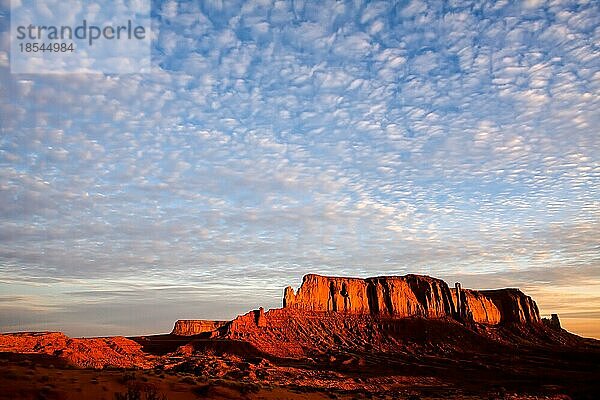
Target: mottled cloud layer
(279,138)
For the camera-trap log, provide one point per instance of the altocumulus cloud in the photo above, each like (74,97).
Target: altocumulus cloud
(278,138)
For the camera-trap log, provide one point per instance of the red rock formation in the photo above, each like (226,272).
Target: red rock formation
(320,293)
(115,351)
(514,305)
(397,316)
(410,295)
(477,307)
(247,322)
(493,307)
(399,296)
(260,319)
(553,322)
(189,327)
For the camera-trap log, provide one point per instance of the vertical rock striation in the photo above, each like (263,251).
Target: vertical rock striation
(380,297)
(514,306)
(410,295)
(399,296)
(472,305)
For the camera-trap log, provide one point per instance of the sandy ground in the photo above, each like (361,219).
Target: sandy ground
(36,378)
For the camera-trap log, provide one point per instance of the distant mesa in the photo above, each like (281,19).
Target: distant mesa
(187,327)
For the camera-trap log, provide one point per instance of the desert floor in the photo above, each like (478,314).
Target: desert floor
(36,377)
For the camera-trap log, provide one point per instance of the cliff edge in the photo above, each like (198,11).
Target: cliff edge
(387,297)
(410,296)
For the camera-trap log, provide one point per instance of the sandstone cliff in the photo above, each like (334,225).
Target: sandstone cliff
(384,297)
(514,305)
(400,296)
(475,306)
(189,327)
(410,295)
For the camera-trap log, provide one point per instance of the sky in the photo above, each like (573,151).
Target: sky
(278,138)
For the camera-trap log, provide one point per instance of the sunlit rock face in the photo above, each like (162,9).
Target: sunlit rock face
(188,327)
(475,306)
(408,296)
(400,296)
(514,305)
(369,301)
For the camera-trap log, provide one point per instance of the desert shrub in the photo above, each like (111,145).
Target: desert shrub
(127,377)
(189,380)
(252,388)
(152,394)
(137,393)
(242,387)
(46,392)
(201,390)
(131,394)
(298,389)
(498,394)
(10,375)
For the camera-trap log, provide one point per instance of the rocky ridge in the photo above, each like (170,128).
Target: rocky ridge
(116,351)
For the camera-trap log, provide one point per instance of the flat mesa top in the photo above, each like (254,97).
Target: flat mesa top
(307,276)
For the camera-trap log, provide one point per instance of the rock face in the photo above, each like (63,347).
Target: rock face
(514,305)
(115,351)
(553,322)
(249,321)
(189,327)
(475,306)
(399,296)
(408,296)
